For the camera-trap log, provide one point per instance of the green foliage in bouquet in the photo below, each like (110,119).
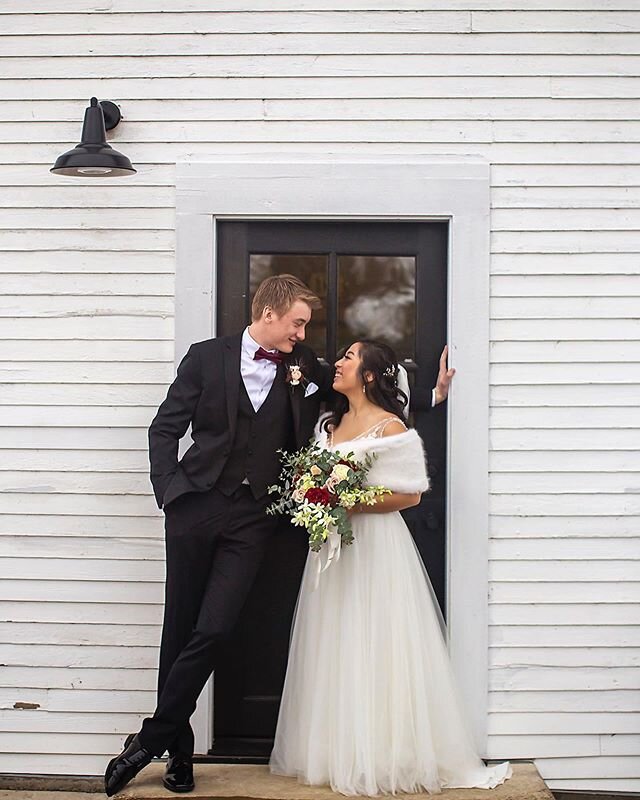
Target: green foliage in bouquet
(317,487)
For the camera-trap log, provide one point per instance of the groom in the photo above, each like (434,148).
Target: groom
(245,397)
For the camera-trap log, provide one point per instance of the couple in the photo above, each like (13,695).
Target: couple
(369,702)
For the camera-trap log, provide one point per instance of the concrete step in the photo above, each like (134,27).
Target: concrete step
(255,782)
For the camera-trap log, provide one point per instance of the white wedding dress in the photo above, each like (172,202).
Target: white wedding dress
(370,704)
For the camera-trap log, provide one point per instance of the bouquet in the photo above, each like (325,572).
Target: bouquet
(318,487)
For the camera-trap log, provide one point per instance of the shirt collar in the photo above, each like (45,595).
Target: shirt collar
(249,344)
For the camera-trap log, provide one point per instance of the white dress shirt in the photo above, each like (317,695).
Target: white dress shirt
(258,376)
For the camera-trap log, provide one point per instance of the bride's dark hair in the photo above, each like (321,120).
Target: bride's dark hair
(382,390)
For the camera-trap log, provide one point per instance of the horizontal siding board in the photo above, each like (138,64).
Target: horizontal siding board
(56,764)
(52,723)
(555,636)
(571,505)
(587,286)
(546,591)
(350,142)
(71,504)
(87,284)
(52,438)
(565,657)
(566,439)
(26,174)
(516,745)
(91,700)
(127,549)
(613,263)
(81,526)
(317,64)
(115,326)
(87,197)
(567,352)
(97,393)
(79,416)
(84,569)
(531,678)
(245,22)
(84,372)
(103,744)
(564,701)
(54,611)
(560,482)
(563,461)
(568,614)
(62,262)
(565,722)
(93,591)
(600,767)
(323,108)
(139,6)
(596,784)
(552,527)
(25,351)
(590,418)
(78,634)
(567,395)
(519,548)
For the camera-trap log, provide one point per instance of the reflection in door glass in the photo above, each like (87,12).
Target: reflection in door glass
(376,300)
(312,269)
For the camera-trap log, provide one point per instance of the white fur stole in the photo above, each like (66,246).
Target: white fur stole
(399,461)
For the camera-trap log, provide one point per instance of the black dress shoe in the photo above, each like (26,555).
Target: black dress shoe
(178,776)
(126,766)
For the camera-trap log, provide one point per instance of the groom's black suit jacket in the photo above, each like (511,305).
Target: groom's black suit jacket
(205,394)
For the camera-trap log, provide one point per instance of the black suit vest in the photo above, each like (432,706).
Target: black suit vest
(258,436)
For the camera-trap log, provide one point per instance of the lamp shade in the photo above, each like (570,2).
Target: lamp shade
(93,157)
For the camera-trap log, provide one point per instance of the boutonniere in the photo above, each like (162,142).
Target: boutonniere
(295,375)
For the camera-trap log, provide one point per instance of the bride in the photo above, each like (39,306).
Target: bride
(370,704)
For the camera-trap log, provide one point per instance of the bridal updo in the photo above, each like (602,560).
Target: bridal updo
(380,363)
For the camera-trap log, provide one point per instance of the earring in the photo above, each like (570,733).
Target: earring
(364,388)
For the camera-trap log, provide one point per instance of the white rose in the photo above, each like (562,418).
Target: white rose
(340,472)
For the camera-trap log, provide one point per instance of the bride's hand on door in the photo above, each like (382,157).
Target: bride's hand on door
(444,377)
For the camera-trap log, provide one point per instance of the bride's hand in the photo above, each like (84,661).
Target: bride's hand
(444,377)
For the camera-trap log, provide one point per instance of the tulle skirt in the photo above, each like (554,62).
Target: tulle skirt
(370,704)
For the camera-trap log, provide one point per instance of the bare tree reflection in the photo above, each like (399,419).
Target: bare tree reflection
(377,300)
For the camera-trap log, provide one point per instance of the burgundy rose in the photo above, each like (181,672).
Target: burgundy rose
(320,496)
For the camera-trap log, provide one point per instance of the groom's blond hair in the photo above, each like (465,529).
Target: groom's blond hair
(280,292)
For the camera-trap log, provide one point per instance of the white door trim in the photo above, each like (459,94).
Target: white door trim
(387,188)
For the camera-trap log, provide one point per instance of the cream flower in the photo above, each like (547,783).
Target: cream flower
(340,472)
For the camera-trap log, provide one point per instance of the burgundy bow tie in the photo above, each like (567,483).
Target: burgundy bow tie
(276,357)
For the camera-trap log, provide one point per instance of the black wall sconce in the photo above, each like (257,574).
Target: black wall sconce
(93,157)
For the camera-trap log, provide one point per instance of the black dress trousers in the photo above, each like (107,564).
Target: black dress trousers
(215,545)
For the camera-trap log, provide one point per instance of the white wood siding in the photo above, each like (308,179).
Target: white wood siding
(548,93)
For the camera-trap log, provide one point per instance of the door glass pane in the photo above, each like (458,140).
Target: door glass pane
(312,269)
(376,300)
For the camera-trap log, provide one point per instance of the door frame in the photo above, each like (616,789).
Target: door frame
(389,188)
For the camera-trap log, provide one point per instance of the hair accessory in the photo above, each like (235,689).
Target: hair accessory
(390,372)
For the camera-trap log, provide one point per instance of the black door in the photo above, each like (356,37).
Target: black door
(382,280)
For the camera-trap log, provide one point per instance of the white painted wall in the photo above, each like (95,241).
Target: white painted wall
(549,97)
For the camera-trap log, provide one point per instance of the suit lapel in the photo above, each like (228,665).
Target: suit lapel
(232,378)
